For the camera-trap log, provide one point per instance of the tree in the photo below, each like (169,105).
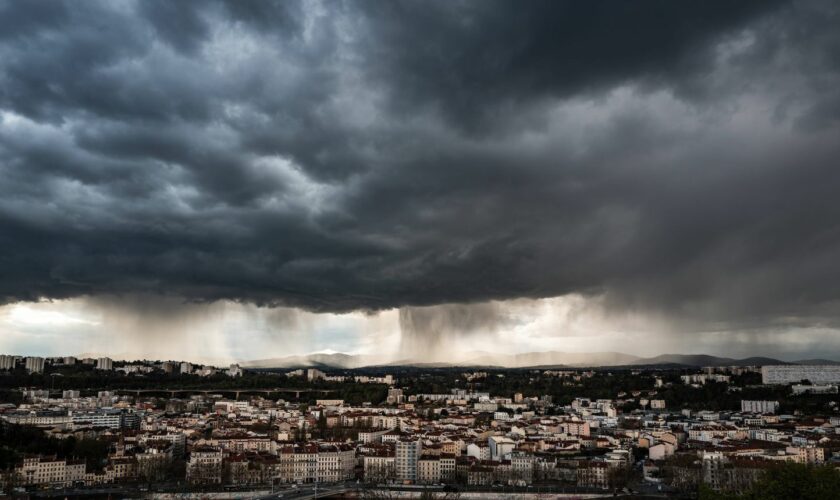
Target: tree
(93,451)
(803,482)
(322,423)
(9,480)
(618,477)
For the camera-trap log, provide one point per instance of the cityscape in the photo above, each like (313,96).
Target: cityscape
(420,249)
(73,426)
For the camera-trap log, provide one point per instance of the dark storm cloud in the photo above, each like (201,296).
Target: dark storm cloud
(467,56)
(672,156)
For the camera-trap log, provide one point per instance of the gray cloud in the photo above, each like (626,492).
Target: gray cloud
(676,158)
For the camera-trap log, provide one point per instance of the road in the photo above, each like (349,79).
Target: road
(309,492)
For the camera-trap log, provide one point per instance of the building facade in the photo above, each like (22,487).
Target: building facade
(407,455)
(789,374)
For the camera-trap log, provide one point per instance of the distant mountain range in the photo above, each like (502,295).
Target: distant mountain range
(524,360)
(478,359)
(334,360)
(705,360)
(550,358)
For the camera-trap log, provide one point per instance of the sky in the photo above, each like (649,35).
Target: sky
(244,180)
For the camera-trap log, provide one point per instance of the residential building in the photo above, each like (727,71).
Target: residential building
(500,447)
(313,463)
(7,362)
(748,406)
(407,454)
(34,364)
(205,465)
(395,396)
(428,470)
(50,472)
(813,389)
(790,374)
(380,468)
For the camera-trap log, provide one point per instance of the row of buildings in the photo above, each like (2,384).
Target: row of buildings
(37,364)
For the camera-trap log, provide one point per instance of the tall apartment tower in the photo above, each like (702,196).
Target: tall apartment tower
(35,364)
(395,396)
(7,362)
(408,452)
(104,364)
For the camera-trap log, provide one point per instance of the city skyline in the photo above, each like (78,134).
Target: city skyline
(419,180)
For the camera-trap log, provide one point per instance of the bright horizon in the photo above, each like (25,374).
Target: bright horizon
(168,329)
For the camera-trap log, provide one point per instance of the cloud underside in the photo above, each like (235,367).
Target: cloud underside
(676,158)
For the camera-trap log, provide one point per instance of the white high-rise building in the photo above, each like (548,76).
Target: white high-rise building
(7,362)
(791,374)
(186,367)
(748,406)
(104,364)
(395,396)
(407,454)
(34,364)
(69,360)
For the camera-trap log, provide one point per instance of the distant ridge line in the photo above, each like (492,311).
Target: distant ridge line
(544,360)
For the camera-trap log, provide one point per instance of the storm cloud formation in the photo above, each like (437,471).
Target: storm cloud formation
(673,157)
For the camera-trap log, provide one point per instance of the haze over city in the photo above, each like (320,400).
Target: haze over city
(424,181)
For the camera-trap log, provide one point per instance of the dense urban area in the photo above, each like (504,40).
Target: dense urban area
(81,426)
